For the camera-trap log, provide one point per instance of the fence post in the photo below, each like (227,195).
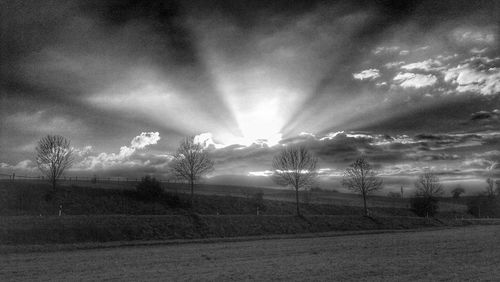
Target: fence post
(13,176)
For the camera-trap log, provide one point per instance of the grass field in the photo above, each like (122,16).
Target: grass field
(466,253)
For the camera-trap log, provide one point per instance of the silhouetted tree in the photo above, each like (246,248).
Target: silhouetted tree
(295,166)
(428,185)
(53,156)
(490,188)
(359,177)
(457,191)
(191,162)
(428,188)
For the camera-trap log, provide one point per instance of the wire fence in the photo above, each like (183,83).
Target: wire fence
(91,179)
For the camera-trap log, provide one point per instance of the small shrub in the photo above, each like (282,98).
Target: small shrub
(149,188)
(425,206)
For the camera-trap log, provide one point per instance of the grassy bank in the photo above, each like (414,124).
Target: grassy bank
(105,228)
(36,199)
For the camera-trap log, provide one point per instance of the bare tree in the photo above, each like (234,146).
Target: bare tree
(53,156)
(295,166)
(490,188)
(361,178)
(428,185)
(191,162)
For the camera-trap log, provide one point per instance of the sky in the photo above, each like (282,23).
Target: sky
(411,85)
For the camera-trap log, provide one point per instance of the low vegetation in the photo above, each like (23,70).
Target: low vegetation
(29,213)
(105,228)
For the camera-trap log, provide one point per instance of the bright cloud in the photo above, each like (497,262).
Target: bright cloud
(468,79)
(25,166)
(123,158)
(145,139)
(426,65)
(369,74)
(391,65)
(414,80)
(206,140)
(261,173)
(404,52)
(385,49)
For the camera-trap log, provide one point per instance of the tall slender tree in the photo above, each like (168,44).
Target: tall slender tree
(191,162)
(295,166)
(53,155)
(359,177)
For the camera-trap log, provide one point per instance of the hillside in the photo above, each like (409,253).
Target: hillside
(30,198)
(29,213)
(24,197)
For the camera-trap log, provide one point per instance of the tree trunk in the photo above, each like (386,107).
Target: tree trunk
(191,182)
(297,200)
(54,184)
(364,204)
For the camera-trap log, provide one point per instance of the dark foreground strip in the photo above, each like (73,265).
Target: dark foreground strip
(6,249)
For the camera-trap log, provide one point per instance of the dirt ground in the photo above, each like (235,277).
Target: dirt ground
(466,253)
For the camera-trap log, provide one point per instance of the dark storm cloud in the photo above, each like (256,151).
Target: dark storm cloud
(338,150)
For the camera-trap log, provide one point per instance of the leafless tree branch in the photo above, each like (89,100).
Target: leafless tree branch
(428,185)
(191,162)
(295,166)
(359,177)
(53,156)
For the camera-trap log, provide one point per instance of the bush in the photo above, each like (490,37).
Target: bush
(149,188)
(425,206)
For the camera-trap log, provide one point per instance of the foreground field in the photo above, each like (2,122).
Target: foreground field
(466,253)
